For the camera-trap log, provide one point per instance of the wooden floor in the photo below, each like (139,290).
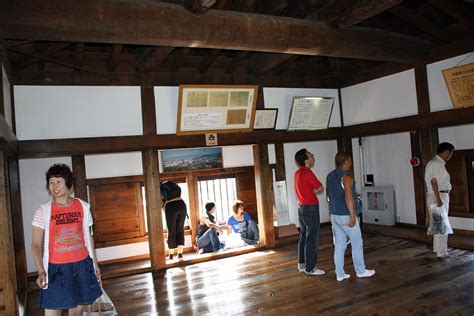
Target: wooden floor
(410,280)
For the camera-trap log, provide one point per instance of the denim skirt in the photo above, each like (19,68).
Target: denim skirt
(70,284)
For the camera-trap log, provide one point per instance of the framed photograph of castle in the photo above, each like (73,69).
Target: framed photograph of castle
(174,160)
(216,109)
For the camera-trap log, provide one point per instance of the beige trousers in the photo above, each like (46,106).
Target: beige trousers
(440,242)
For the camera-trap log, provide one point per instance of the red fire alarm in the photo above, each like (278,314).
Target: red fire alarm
(415,161)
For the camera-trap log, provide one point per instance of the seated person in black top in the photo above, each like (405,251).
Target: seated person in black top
(207,238)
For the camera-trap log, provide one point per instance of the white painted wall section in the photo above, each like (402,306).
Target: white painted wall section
(52,112)
(380,99)
(113,165)
(462,136)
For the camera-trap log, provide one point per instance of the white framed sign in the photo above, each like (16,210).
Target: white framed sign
(310,113)
(265,119)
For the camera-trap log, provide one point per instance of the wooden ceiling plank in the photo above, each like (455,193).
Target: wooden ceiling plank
(347,13)
(79,54)
(455,9)
(196,6)
(276,7)
(153,56)
(268,61)
(421,23)
(114,57)
(179,59)
(162,24)
(236,61)
(207,63)
(223,4)
(50,51)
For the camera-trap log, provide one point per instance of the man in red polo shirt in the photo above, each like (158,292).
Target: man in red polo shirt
(307,186)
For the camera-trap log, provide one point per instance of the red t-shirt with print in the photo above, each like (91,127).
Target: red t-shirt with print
(66,234)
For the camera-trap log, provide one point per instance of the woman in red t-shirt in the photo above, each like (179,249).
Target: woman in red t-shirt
(63,248)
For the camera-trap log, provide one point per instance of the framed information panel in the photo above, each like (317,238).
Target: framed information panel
(216,109)
(265,119)
(310,113)
(460,83)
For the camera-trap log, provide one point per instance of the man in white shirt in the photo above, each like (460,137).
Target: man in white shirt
(438,186)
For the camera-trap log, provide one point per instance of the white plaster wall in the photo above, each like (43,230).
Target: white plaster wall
(33,194)
(388,159)
(166,106)
(380,99)
(438,92)
(7,100)
(113,165)
(51,112)
(462,136)
(324,152)
(282,98)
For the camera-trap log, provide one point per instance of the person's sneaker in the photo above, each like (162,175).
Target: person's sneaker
(180,256)
(170,257)
(445,256)
(301,267)
(366,274)
(346,276)
(315,272)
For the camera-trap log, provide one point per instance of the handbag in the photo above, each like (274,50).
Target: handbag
(439,221)
(103,305)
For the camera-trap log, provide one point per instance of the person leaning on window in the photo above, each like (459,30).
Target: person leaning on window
(243,224)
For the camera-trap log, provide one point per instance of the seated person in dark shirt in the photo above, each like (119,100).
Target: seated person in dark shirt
(207,237)
(243,224)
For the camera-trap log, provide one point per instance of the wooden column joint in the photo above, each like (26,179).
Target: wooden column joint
(151,178)
(80,185)
(263,187)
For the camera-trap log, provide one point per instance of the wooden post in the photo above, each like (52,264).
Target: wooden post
(148,110)
(151,178)
(280,172)
(193,207)
(8,283)
(79,169)
(263,187)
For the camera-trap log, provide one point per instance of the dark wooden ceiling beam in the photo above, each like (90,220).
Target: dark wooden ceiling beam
(50,51)
(459,11)
(162,24)
(223,4)
(347,13)
(114,57)
(268,61)
(153,56)
(196,6)
(421,23)
(87,146)
(179,59)
(276,7)
(207,63)
(236,62)
(79,54)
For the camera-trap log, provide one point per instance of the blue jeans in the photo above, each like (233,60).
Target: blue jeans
(209,241)
(252,235)
(341,231)
(309,236)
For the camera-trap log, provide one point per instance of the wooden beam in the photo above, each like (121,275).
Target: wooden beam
(148,109)
(8,283)
(114,56)
(347,13)
(236,62)
(280,173)
(196,6)
(207,63)
(193,207)
(161,24)
(79,54)
(179,59)
(276,7)
(422,23)
(96,145)
(50,51)
(153,56)
(153,206)
(223,4)
(263,183)
(268,61)
(80,184)
(460,11)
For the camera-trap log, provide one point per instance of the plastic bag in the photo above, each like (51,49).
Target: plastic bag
(103,305)
(439,221)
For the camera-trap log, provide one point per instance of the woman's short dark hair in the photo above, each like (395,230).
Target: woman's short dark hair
(341,158)
(445,146)
(209,206)
(236,205)
(301,157)
(60,170)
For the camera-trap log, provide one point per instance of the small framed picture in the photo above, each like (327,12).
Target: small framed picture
(265,119)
